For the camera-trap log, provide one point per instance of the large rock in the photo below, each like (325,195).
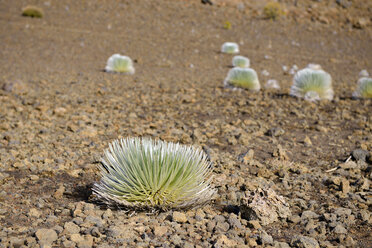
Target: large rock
(46,236)
(264,205)
(304,242)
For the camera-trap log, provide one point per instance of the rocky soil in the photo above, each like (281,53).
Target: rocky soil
(289,173)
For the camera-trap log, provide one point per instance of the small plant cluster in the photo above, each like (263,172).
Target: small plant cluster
(144,173)
(240,75)
(273,10)
(32,11)
(120,64)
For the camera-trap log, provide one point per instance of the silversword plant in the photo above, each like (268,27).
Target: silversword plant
(317,82)
(240,61)
(230,47)
(364,88)
(144,173)
(242,77)
(119,63)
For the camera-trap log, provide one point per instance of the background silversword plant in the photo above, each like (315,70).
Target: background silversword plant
(119,63)
(243,78)
(240,61)
(364,88)
(230,47)
(317,81)
(144,173)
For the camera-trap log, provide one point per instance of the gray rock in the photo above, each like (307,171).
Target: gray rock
(304,242)
(92,220)
(339,229)
(175,239)
(360,154)
(264,204)
(222,227)
(46,236)
(344,3)
(342,211)
(219,218)
(265,238)
(281,245)
(71,228)
(235,222)
(308,215)
(16,242)
(275,132)
(294,218)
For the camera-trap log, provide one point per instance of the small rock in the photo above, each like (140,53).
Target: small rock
(59,192)
(60,111)
(360,154)
(345,186)
(46,236)
(68,244)
(272,84)
(281,245)
(294,219)
(107,214)
(280,153)
(89,131)
(308,215)
(223,241)
(339,229)
(175,239)
(344,3)
(71,228)
(275,132)
(34,213)
(364,215)
(246,157)
(17,87)
(265,73)
(179,217)
(307,141)
(254,224)
(16,242)
(361,23)
(235,222)
(160,230)
(265,238)
(304,242)
(76,238)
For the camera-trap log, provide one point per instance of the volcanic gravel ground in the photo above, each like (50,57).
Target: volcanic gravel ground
(310,162)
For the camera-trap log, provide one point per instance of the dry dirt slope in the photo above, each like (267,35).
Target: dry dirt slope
(59,110)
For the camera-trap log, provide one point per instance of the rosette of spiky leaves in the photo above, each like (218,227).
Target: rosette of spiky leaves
(240,61)
(243,77)
(144,173)
(317,81)
(119,63)
(230,47)
(364,88)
